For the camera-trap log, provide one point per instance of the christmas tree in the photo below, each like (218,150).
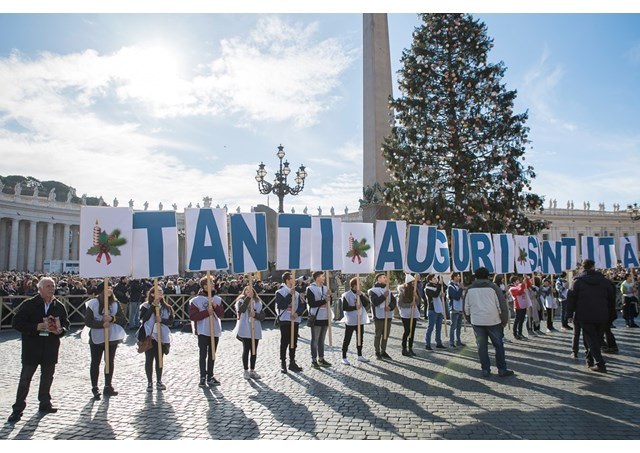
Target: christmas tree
(456,153)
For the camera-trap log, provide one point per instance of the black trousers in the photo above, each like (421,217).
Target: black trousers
(519,321)
(206,355)
(592,337)
(286,343)
(150,356)
(577,328)
(46,379)
(96,357)
(550,313)
(348,333)
(246,352)
(407,340)
(609,339)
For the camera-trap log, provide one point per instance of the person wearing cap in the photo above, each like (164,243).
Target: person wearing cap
(406,300)
(199,312)
(96,321)
(40,344)
(486,309)
(378,294)
(354,304)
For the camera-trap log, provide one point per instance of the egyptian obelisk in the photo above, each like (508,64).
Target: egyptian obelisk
(377,116)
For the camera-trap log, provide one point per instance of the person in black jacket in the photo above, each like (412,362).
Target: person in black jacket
(591,302)
(381,310)
(42,320)
(136,296)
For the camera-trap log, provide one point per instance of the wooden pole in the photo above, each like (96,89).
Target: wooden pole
(386,304)
(413,304)
(443,299)
(551,293)
(505,296)
(293,299)
(329,306)
(251,318)
(158,330)
(211,317)
(358,336)
(105,300)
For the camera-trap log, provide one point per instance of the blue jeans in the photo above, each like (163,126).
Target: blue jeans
(134,308)
(483,333)
(435,319)
(456,328)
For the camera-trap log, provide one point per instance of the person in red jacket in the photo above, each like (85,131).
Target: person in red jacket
(520,304)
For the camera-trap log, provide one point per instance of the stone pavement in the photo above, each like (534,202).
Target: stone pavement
(436,395)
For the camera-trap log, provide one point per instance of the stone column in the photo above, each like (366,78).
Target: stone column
(3,245)
(39,246)
(75,241)
(31,247)
(13,248)
(65,242)
(48,245)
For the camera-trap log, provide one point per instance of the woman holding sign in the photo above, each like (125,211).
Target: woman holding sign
(285,297)
(248,305)
(354,304)
(409,308)
(318,299)
(96,321)
(200,310)
(148,321)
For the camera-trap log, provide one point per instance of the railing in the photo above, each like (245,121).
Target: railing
(75,306)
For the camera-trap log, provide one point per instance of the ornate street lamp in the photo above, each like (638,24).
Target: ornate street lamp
(280,188)
(634,211)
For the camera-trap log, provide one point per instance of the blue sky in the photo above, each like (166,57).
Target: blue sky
(172,108)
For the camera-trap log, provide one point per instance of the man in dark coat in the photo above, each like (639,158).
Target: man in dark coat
(42,320)
(591,302)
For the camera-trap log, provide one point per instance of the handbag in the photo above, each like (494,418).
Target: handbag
(145,344)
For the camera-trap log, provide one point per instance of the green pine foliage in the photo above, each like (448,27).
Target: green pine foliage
(456,153)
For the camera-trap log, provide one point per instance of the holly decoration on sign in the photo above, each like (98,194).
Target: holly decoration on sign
(357,249)
(522,256)
(106,244)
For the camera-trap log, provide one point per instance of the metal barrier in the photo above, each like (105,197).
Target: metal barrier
(75,306)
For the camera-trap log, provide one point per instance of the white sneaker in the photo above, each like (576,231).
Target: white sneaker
(246,374)
(362,358)
(346,361)
(254,375)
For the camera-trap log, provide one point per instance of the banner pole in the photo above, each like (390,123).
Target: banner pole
(329,306)
(505,296)
(211,330)
(251,317)
(386,305)
(413,305)
(293,300)
(444,306)
(158,330)
(105,300)
(358,336)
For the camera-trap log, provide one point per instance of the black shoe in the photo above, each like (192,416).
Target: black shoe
(598,369)
(203,382)
(406,353)
(96,393)
(149,387)
(386,356)
(610,350)
(212,381)
(293,366)
(412,353)
(48,410)
(324,363)
(109,391)
(14,417)
(315,364)
(378,356)
(634,325)
(567,327)
(441,346)
(428,348)
(486,373)
(506,373)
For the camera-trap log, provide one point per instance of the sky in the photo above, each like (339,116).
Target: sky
(170,108)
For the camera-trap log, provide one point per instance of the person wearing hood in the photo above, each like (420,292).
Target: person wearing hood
(486,309)
(591,302)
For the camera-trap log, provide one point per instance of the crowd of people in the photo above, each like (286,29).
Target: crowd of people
(588,303)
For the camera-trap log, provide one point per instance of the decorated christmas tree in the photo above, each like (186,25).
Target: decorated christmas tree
(456,154)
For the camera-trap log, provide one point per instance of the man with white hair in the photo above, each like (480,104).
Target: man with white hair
(42,320)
